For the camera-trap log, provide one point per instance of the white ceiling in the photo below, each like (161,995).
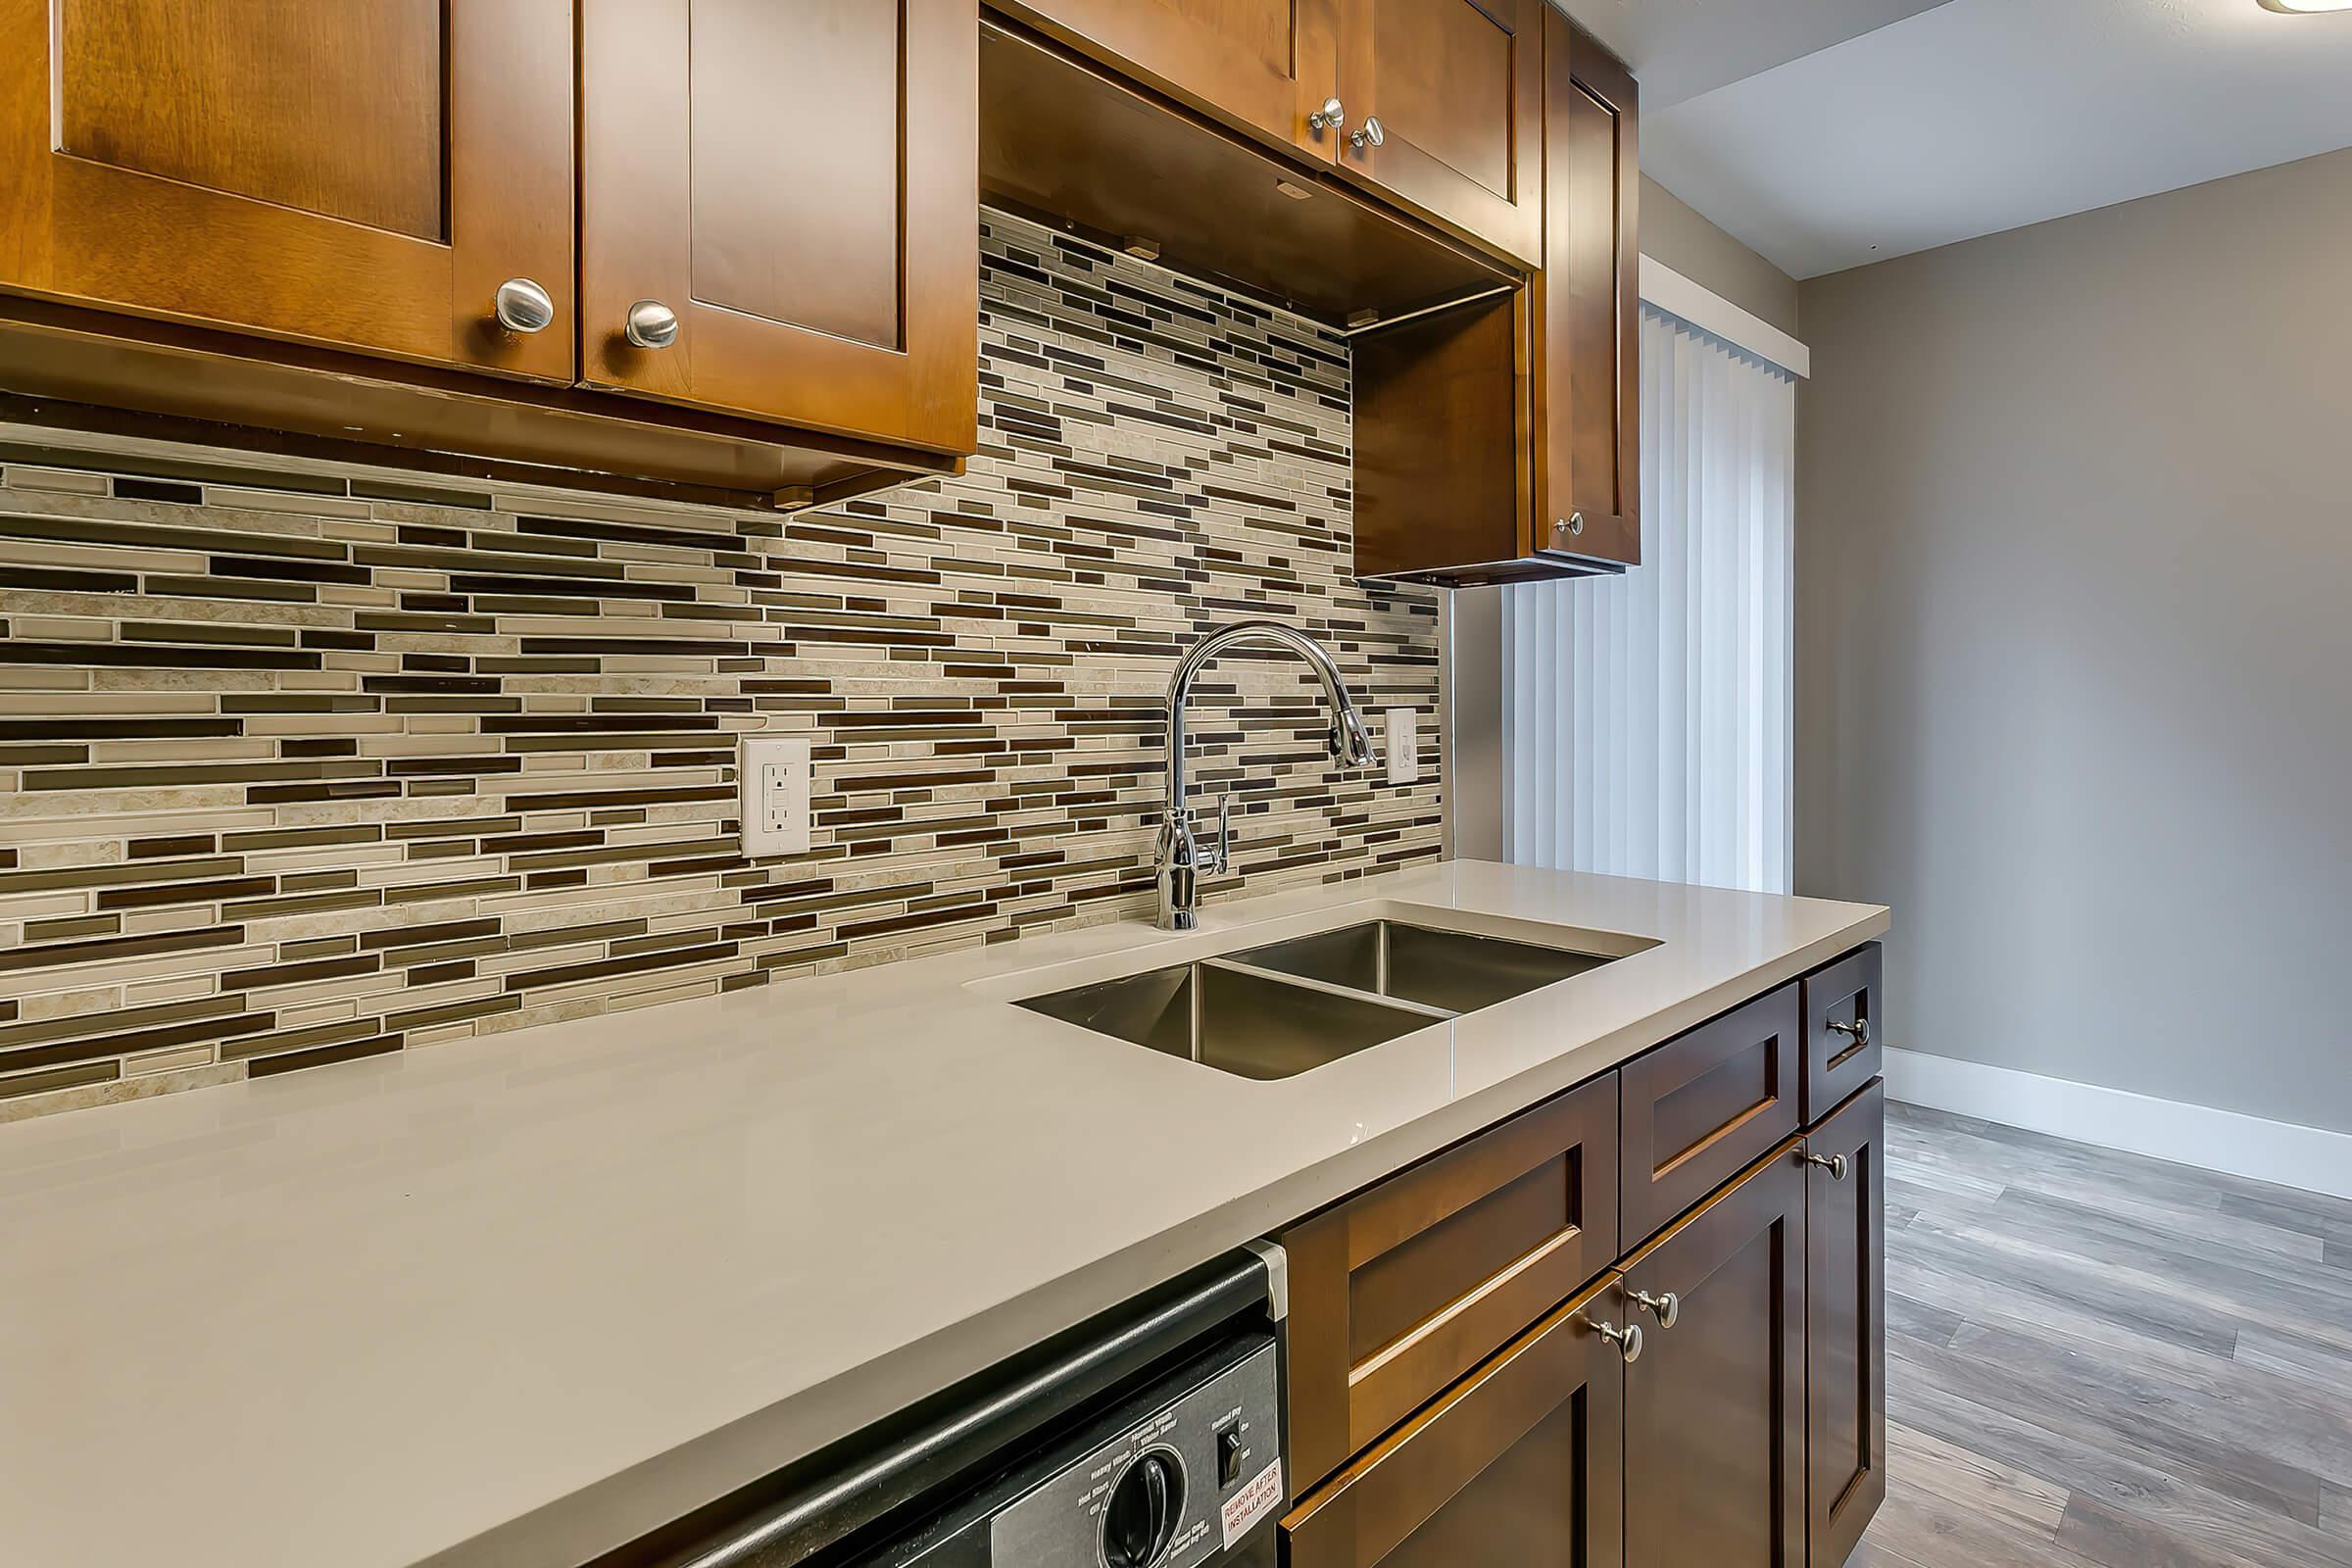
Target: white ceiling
(1979,115)
(1682,48)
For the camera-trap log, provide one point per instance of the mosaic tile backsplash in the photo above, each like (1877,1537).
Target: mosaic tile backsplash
(305,764)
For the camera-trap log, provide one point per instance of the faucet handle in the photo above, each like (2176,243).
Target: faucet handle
(1224,856)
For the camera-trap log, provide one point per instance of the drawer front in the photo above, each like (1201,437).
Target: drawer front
(1842,1047)
(1400,1291)
(1846,1329)
(1522,1463)
(1702,1107)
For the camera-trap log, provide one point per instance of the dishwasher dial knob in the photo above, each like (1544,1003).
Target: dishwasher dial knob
(1144,1505)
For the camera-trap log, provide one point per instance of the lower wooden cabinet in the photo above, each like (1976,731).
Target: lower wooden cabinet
(1704,1106)
(1517,1463)
(1715,1407)
(1845,1326)
(1714,1398)
(1401,1290)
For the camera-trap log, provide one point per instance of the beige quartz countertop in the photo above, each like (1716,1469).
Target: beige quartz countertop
(514,1300)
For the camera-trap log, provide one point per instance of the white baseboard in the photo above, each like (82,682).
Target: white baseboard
(2309,1157)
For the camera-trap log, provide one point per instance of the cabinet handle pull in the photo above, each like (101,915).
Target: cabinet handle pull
(1858,1031)
(1331,116)
(1666,1308)
(1835,1164)
(1574,522)
(1628,1338)
(1369,134)
(651,324)
(523,307)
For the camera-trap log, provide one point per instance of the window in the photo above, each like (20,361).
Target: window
(1647,717)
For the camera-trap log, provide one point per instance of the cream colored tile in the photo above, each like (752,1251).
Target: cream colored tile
(296,502)
(180,988)
(174,1061)
(61,628)
(17,907)
(64,481)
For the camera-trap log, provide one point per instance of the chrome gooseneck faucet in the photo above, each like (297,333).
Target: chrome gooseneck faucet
(1183,859)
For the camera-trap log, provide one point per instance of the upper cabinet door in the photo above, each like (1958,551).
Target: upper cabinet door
(364,174)
(1264,67)
(780,211)
(1445,112)
(1587,304)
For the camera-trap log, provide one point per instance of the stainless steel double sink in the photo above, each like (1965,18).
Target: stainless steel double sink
(1286,1006)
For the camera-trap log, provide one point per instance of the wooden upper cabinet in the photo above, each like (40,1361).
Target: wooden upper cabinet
(789,194)
(1444,111)
(1264,66)
(1588,306)
(362,176)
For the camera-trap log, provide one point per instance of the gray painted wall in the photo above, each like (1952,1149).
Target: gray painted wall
(2075,639)
(1676,233)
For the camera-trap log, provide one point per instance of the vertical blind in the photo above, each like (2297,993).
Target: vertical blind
(1647,717)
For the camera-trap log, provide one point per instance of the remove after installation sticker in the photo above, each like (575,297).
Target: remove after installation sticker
(1254,1502)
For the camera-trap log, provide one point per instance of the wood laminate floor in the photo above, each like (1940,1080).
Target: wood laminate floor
(2097,1361)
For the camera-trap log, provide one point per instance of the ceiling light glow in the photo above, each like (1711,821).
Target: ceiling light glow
(2295,8)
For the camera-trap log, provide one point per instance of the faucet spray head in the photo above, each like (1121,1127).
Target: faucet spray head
(1351,745)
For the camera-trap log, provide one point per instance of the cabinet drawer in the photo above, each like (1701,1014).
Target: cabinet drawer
(1702,1107)
(1401,1290)
(1843,1047)
(1520,1463)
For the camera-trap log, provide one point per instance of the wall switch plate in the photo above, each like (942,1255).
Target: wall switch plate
(773,787)
(1402,743)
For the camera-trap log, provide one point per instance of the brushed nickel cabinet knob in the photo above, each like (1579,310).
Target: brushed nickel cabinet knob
(1835,1164)
(1628,1338)
(1667,1308)
(651,324)
(1858,1031)
(1331,116)
(523,307)
(1369,134)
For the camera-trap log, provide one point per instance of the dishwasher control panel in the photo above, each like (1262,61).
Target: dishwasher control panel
(1197,1473)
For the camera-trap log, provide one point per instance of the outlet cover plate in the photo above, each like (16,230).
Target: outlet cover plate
(773,790)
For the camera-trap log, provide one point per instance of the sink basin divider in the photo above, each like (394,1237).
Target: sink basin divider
(1435,1014)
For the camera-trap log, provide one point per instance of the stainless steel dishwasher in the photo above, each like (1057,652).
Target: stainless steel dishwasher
(1148,1438)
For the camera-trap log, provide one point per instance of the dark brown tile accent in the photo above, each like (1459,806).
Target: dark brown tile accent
(293,1061)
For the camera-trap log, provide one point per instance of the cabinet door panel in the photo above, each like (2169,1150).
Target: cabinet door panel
(1715,1407)
(1845,1294)
(1400,1291)
(1458,89)
(362,175)
(1842,1029)
(1706,1105)
(1518,1463)
(1588,304)
(1259,66)
(800,185)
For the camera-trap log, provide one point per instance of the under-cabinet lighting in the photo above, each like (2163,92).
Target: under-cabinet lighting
(2295,8)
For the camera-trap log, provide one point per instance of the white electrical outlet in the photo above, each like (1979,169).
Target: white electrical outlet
(1404,744)
(773,787)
